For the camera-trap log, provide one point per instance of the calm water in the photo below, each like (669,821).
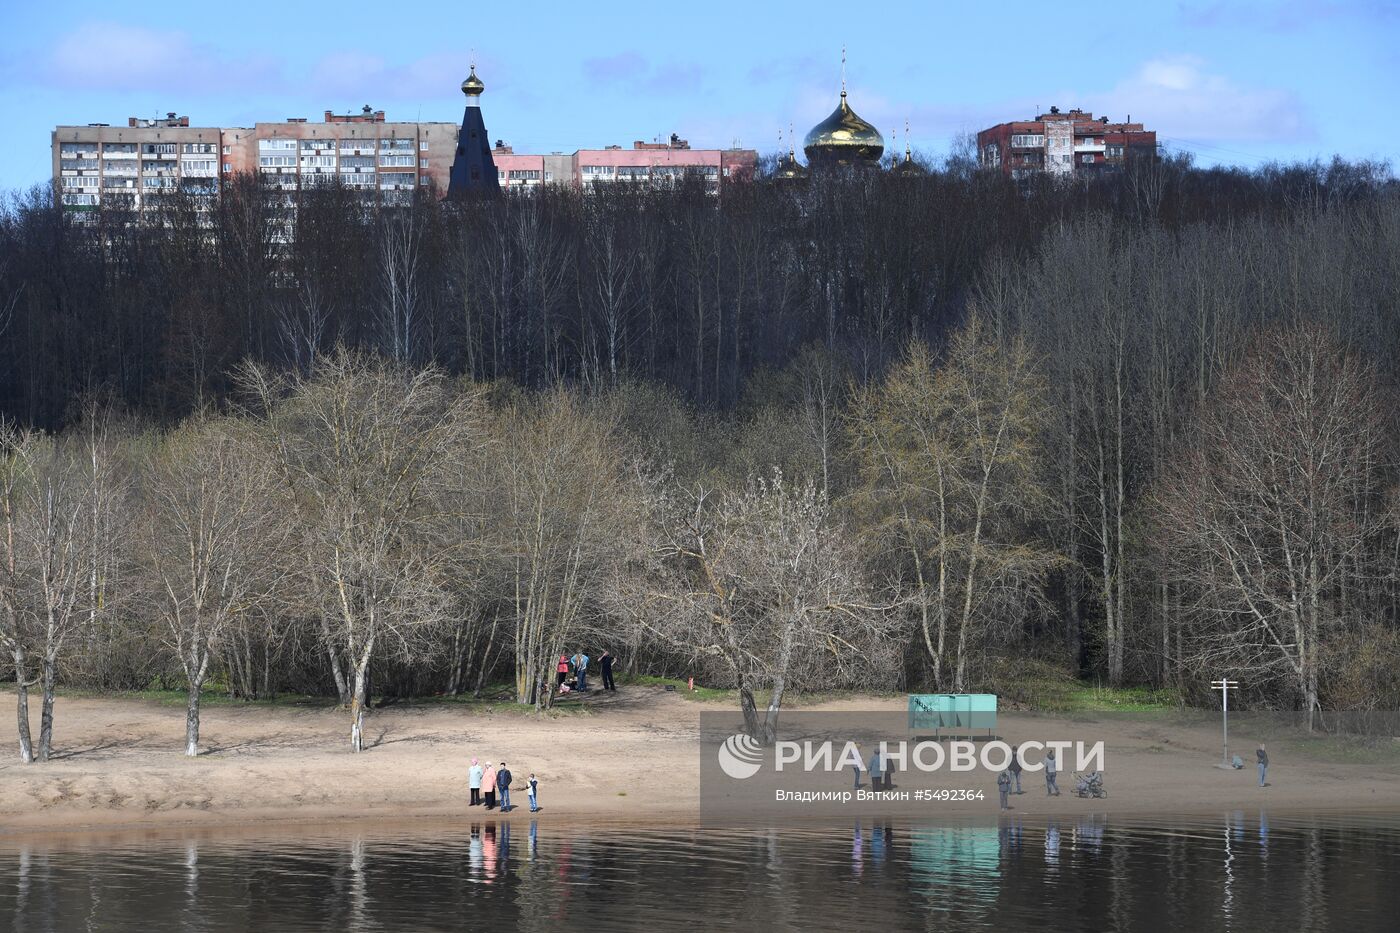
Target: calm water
(1243,871)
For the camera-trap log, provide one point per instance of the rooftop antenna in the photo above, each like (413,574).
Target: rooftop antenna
(792,142)
(906,139)
(843,70)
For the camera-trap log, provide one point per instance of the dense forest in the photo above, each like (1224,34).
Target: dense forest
(872,430)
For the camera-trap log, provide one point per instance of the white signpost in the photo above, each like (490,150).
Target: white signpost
(1224,686)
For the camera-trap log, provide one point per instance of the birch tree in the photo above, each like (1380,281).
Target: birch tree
(216,540)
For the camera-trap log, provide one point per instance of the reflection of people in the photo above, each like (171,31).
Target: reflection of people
(474,782)
(1004,787)
(1016,770)
(1051,788)
(1263,758)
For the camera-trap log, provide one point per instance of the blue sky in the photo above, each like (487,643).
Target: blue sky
(1236,81)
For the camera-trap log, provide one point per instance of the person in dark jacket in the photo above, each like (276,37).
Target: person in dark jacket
(606,662)
(1262,757)
(503,786)
(1015,770)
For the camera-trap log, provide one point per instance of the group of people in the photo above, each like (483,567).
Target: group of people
(489,782)
(572,672)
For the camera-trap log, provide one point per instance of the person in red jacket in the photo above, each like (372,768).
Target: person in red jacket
(562,671)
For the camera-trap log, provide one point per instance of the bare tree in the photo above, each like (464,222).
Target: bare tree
(757,584)
(215,542)
(1270,512)
(362,447)
(951,484)
(52,506)
(568,504)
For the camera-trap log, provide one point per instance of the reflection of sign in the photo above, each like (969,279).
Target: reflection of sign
(956,713)
(966,860)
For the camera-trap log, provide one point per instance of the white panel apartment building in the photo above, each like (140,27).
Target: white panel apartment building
(131,166)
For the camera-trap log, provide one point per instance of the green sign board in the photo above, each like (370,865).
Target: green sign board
(954,713)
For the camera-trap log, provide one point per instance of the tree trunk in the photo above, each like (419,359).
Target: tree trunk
(342,689)
(47,683)
(192,719)
(26,746)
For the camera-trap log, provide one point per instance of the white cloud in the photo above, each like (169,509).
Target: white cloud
(113,56)
(1180,97)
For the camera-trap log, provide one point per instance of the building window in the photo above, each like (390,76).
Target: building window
(424,180)
(1027,141)
(422,163)
(1113,152)
(1087,158)
(266,144)
(423,145)
(228,166)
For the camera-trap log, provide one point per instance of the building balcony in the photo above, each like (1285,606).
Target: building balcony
(1089,145)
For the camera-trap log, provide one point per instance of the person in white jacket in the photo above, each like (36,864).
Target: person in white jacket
(474,782)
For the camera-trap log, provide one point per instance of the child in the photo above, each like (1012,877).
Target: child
(532,789)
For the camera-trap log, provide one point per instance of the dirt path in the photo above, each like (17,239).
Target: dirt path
(631,756)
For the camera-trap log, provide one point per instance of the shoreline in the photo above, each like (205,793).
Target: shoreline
(626,760)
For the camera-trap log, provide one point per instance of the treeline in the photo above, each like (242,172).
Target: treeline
(936,432)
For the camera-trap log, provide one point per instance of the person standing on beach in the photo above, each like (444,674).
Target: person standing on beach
(503,785)
(1015,769)
(856,766)
(1262,757)
(1051,788)
(488,786)
(474,782)
(532,790)
(562,671)
(581,668)
(876,770)
(1004,787)
(606,661)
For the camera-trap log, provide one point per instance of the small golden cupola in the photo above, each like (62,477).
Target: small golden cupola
(788,167)
(843,139)
(908,167)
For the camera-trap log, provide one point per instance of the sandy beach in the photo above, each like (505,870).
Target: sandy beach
(626,757)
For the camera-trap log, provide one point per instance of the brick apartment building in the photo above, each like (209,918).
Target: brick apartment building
(130,166)
(652,163)
(1063,144)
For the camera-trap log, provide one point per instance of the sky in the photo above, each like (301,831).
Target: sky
(1230,81)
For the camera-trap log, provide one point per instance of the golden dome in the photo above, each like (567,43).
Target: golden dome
(789,167)
(473,86)
(843,139)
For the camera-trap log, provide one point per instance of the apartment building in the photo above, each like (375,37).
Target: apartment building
(131,166)
(645,163)
(1063,144)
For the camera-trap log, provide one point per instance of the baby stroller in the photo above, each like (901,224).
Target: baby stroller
(1089,785)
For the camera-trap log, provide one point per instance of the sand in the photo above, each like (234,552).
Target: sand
(625,757)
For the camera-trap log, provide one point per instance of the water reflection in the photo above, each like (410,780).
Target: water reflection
(1241,872)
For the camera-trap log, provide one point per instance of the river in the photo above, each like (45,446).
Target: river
(1247,871)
